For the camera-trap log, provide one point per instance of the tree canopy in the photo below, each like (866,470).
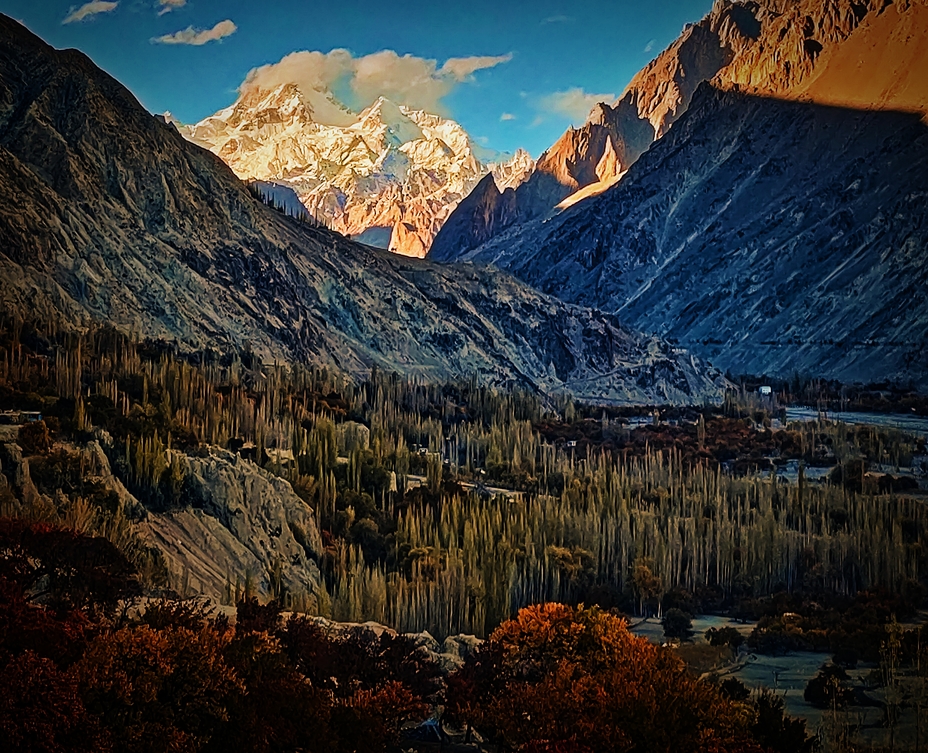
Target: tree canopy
(562,678)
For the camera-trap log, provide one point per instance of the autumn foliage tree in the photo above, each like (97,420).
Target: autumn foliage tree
(41,710)
(63,568)
(159,690)
(573,679)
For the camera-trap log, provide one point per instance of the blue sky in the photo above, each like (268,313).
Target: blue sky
(521,72)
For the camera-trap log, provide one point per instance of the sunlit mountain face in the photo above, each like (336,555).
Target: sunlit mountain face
(488,377)
(389,178)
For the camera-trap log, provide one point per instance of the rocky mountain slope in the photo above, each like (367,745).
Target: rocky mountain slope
(780,225)
(108,214)
(238,521)
(392,176)
(592,158)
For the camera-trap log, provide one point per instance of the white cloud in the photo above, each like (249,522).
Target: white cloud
(168,5)
(198,37)
(507,116)
(557,20)
(649,47)
(405,79)
(88,10)
(574,103)
(461,69)
(315,74)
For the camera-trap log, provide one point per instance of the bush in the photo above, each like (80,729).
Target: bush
(829,688)
(778,732)
(734,689)
(677,624)
(170,685)
(725,636)
(41,710)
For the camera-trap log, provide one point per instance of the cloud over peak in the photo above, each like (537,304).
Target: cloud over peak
(406,79)
(168,5)
(574,103)
(88,10)
(199,37)
(461,69)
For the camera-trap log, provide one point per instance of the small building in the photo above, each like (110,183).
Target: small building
(247,450)
(280,457)
(19,417)
(766,391)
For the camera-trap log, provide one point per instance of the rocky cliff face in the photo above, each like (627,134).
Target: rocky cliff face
(108,214)
(768,230)
(392,176)
(764,47)
(236,522)
(240,522)
(594,156)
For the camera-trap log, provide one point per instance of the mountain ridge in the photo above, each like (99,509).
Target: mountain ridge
(763,47)
(109,215)
(770,234)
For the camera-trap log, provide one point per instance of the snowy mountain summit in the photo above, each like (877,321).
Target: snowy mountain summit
(389,176)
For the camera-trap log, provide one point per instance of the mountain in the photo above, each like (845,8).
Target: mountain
(780,224)
(108,215)
(390,175)
(588,160)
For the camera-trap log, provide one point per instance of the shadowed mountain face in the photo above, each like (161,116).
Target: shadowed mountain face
(595,155)
(768,235)
(107,214)
(779,224)
(778,48)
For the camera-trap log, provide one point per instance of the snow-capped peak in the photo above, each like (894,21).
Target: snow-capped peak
(513,172)
(383,117)
(390,171)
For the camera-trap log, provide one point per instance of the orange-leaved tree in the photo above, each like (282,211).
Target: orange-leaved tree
(562,678)
(159,690)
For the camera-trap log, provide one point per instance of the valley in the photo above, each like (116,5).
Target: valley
(327,428)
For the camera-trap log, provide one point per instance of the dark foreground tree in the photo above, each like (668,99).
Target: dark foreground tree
(829,688)
(677,624)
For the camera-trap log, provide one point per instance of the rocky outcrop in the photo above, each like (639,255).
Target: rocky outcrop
(394,168)
(239,522)
(13,466)
(233,522)
(449,654)
(109,215)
